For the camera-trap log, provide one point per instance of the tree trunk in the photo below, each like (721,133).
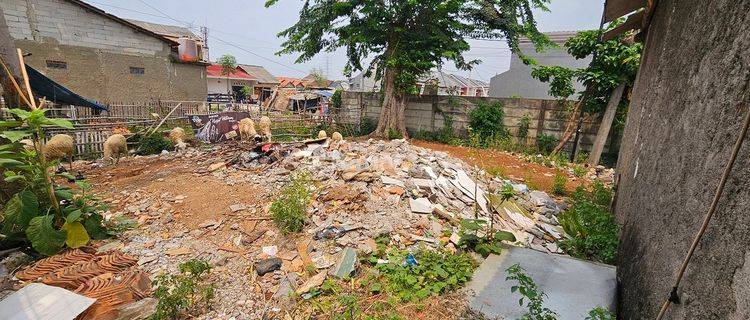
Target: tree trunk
(603,133)
(570,127)
(391,121)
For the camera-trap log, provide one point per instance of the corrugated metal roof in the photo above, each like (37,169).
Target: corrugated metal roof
(166,30)
(259,73)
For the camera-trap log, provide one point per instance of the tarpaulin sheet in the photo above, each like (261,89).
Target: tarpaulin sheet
(55,92)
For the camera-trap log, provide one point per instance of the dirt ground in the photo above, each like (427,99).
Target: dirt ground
(536,176)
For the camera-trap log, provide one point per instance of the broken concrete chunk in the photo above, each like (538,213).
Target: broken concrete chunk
(268,265)
(139,310)
(390,181)
(237,207)
(271,250)
(313,282)
(346,263)
(216,166)
(421,205)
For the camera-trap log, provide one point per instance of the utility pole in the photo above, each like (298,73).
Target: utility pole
(204,33)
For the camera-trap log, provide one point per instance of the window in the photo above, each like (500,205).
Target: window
(136,70)
(54,64)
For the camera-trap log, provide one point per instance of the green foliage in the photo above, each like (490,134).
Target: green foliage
(152,144)
(477,237)
(558,184)
(435,273)
(523,129)
(46,215)
(394,134)
(183,295)
(579,171)
(593,230)
(600,313)
(486,120)
(289,210)
(367,126)
(545,143)
(446,133)
(336,99)
(531,293)
(228,64)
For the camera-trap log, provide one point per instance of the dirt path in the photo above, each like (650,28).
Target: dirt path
(536,176)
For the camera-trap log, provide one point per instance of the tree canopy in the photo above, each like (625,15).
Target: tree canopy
(404,39)
(228,64)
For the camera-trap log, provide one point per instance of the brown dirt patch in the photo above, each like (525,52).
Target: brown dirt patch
(536,176)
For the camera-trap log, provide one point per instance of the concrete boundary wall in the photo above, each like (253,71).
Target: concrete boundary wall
(426,113)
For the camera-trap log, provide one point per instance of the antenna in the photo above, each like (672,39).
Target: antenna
(204,32)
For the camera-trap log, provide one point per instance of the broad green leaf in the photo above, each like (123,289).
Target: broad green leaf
(10,163)
(76,234)
(63,194)
(13,178)
(505,236)
(85,186)
(15,135)
(23,114)
(93,225)
(43,236)
(60,123)
(73,216)
(10,124)
(19,210)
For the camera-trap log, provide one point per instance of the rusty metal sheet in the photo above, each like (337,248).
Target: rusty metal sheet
(614,9)
(217,127)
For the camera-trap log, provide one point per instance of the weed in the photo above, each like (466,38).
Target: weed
(530,292)
(496,171)
(446,133)
(183,295)
(593,230)
(523,129)
(579,171)
(600,313)
(289,211)
(152,144)
(581,157)
(435,272)
(394,134)
(558,184)
(545,143)
(367,126)
(486,120)
(480,239)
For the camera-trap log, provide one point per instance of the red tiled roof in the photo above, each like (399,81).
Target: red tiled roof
(214,71)
(290,82)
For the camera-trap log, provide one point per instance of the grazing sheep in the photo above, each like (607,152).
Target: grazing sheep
(60,146)
(322,134)
(247,129)
(28,144)
(177,136)
(265,127)
(336,137)
(115,146)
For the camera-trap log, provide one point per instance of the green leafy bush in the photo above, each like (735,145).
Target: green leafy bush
(486,120)
(184,295)
(435,273)
(545,143)
(289,210)
(529,291)
(558,185)
(523,129)
(579,171)
(152,144)
(593,230)
(336,99)
(482,240)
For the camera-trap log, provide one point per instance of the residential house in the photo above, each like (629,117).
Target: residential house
(98,55)
(266,82)
(230,86)
(290,83)
(433,83)
(518,82)
(182,35)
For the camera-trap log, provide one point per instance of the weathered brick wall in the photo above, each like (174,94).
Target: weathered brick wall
(427,113)
(99,53)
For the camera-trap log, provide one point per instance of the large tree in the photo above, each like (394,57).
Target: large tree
(405,39)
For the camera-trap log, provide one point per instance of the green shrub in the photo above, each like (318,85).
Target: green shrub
(486,120)
(579,171)
(593,230)
(393,134)
(545,143)
(184,295)
(367,126)
(523,129)
(289,210)
(531,292)
(152,144)
(558,185)
(446,133)
(435,273)
(336,99)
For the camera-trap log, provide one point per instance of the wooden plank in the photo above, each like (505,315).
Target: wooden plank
(634,22)
(614,9)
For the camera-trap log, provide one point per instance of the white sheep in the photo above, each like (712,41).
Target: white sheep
(115,146)
(264,126)
(322,134)
(336,137)
(28,144)
(247,129)
(177,136)
(60,146)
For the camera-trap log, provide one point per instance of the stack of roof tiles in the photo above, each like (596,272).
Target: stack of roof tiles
(112,279)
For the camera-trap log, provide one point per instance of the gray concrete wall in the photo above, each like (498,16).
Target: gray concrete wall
(99,53)
(426,113)
(692,91)
(517,81)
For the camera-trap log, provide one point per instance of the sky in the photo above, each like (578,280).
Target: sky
(247,30)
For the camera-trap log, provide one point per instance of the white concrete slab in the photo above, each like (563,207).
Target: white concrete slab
(42,302)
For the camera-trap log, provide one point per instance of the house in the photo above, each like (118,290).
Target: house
(435,82)
(178,34)
(237,85)
(518,82)
(98,55)
(290,83)
(266,82)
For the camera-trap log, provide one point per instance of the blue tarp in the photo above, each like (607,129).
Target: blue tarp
(55,92)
